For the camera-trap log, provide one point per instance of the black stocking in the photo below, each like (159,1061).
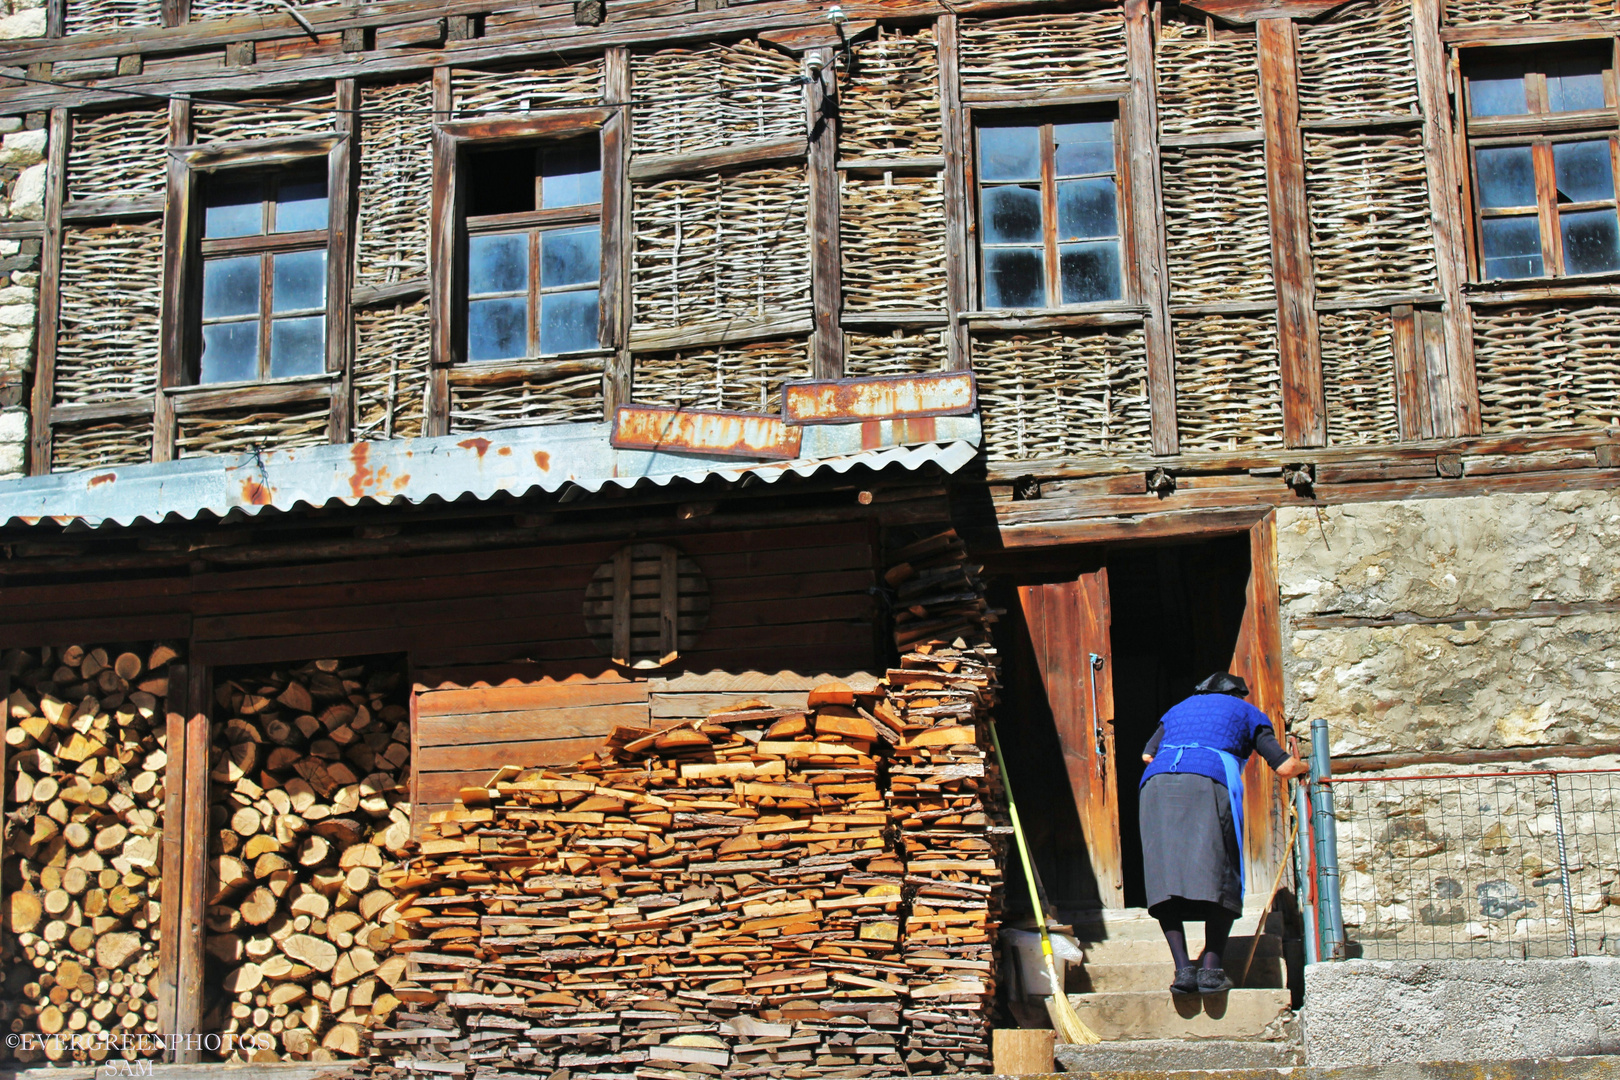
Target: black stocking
(1175,935)
(1216,931)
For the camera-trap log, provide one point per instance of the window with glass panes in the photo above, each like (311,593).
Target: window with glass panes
(1542,145)
(263,251)
(533,218)
(1049,221)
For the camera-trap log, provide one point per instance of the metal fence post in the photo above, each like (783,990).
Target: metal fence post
(1563,867)
(1327,845)
(1302,874)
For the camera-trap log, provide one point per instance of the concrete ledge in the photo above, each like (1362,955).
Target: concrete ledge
(1378,1012)
(1570,1068)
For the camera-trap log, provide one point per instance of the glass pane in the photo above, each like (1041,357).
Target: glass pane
(230,287)
(1575,84)
(1591,241)
(497,264)
(297,346)
(568,321)
(498,329)
(570,173)
(301,205)
(1090,272)
(1012,215)
(1086,209)
(570,257)
(1497,90)
(1084,148)
(1512,247)
(1507,176)
(230,352)
(1584,171)
(1014,278)
(1010,153)
(298,282)
(233,209)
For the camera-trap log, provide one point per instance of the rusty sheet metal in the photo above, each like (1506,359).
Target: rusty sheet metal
(513,462)
(679,431)
(950,393)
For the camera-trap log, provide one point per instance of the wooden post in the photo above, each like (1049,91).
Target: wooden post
(826,271)
(194,856)
(954,138)
(1299,347)
(340,184)
(5,714)
(55,18)
(614,328)
(176,237)
(1411,382)
(1022,1051)
(175,869)
(441,266)
(50,293)
(1141,124)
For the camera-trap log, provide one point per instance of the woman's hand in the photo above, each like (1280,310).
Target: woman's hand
(1292,767)
(1147,759)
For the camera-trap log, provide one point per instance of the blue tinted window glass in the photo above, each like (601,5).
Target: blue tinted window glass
(1012,215)
(570,256)
(1014,278)
(1575,84)
(298,281)
(301,205)
(1082,149)
(1009,153)
(1591,241)
(498,264)
(233,209)
(230,287)
(1507,176)
(297,346)
(1512,247)
(1087,209)
(498,329)
(1090,272)
(571,173)
(568,321)
(230,352)
(1497,90)
(1584,171)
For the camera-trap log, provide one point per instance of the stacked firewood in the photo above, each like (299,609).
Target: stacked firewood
(938,595)
(85,735)
(308,778)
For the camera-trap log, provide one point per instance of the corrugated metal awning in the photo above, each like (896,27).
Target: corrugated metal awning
(512,462)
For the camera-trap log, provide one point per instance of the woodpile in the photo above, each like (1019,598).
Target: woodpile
(938,595)
(308,778)
(85,754)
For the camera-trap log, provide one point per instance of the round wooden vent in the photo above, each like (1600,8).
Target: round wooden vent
(645,605)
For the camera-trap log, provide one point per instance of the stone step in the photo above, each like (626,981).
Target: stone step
(1147,1056)
(1152,951)
(1266,972)
(1135,1015)
(1133,928)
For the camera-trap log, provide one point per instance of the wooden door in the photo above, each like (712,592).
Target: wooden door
(1068,628)
(1258,658)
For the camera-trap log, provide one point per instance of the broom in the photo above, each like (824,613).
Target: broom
(1070,1028)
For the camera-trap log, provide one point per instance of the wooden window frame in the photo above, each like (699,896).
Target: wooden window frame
(1540,130)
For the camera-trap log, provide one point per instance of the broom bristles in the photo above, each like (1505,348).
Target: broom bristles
(1065,1021)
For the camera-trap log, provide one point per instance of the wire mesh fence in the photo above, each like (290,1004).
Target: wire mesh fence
(1512,865)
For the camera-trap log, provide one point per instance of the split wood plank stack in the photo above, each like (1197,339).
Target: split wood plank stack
(938,593)
(84,794)
(308,780)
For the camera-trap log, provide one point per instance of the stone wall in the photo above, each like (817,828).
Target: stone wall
(22,180)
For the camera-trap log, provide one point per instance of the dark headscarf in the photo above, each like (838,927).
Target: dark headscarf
(1223,683)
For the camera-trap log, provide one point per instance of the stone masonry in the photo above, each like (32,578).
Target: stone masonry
(22,179)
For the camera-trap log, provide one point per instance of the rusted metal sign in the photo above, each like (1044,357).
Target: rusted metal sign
(693,431)
(946,394)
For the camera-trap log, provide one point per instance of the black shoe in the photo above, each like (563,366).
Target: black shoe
(1186,980)
(1213,981)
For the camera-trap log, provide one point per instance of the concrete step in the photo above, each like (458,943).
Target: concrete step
(1154,950)
(1135,1015)
(1266,972)
(1135,925)
(1147,1056)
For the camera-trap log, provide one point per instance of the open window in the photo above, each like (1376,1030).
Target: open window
(1541,127)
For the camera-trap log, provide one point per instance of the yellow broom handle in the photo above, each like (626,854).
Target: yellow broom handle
(1023,847)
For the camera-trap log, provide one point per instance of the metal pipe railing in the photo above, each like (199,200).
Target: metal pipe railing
(1330,914)
(1302,863)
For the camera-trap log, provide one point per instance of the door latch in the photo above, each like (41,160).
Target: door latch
(1096,717)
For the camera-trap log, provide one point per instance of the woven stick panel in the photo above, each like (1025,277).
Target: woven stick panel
(899,351)
(396,183)
(1206,85)
(390,371)
(1048,394)
(1217,225)
(893,231)
(1228,383)
(118,155)
(890,106)
(230,9)
(1034,51)
(521,90)
(101,16)
(1370,227)
(242,431)
(1358,376)
(1547,369)
(1520,11)
(745,378)
(125,441)
(719,247)
(110,321)
(265,117)
(569,399)
(702,99)
(1359,64)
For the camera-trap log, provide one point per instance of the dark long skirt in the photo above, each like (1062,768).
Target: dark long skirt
(1190,856)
